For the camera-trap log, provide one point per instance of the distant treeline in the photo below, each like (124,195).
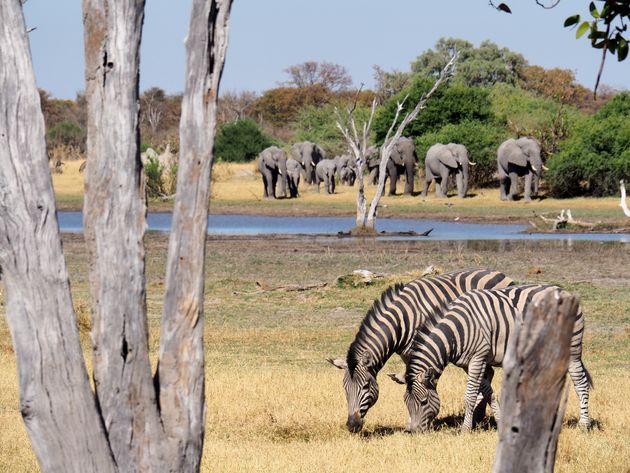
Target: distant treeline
(495,94)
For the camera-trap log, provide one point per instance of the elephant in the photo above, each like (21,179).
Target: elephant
(346,169)
(308,155)
(516,158)
(293,176)
(325,172)
(443,161)
(402,161)
(272,162)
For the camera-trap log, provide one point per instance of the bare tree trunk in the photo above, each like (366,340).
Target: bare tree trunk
(535,367)
(57,404)
(180,376)
(114,215)
(623,204)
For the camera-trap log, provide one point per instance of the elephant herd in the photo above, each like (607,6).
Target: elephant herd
(515,158)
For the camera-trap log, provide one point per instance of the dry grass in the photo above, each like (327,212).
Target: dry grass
(275,405)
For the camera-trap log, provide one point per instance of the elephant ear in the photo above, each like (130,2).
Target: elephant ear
(517,157)
(448,159)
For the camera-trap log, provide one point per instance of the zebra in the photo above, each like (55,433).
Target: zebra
(389,326)
(473,334)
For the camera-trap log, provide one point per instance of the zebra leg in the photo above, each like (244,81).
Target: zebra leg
(581,381)
(484,397)
(476,371)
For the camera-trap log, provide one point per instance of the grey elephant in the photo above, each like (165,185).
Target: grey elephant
(272,164)
(516,158)
(293,176)
(308,155)
(346,169)
(443,161)
(325,172)
(402,162)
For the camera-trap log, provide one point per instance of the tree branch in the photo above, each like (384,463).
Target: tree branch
(623,203)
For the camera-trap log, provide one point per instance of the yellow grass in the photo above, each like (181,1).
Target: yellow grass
(275,405)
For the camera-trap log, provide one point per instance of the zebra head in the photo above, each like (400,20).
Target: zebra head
(359,383)
(422,400)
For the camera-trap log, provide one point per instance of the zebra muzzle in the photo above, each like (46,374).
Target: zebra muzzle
(355,423)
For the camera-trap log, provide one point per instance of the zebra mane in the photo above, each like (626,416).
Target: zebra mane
(378,306)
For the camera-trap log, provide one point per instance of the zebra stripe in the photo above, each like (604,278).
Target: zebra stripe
(474,334)
(389,328)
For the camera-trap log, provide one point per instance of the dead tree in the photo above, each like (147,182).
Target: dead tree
(134,421)
(533,396)
(366,218)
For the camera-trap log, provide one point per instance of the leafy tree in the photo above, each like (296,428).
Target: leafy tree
(452,104)
(329,75)
(483,66)
(389,84)
(280,106)
(240,141)
(597,155)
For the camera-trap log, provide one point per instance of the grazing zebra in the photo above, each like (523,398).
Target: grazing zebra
(473,334)
(389,326)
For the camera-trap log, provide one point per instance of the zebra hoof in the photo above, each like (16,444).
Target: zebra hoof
(585,426)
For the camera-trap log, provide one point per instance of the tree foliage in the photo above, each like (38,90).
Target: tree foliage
(483,66)
(450,105)
(281,105)
(597,155)
(240,141)
(329,75)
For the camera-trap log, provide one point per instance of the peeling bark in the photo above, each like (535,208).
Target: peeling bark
(180,377)
(535,369)
(56,402)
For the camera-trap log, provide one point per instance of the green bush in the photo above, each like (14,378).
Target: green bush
(452,104)
(596,156)
(319,125)
(67,133)
(240,141)
(481,140)
(154,172)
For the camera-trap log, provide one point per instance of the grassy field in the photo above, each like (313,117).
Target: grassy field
(275,405)
(237,188)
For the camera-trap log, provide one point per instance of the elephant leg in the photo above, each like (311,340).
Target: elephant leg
(267,183)
(504,186)
(528,187)
(409,177)
(393,177)
(331,185)
(461,190)
(513,186)
(428,177)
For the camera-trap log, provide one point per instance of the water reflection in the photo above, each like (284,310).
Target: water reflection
(268,225)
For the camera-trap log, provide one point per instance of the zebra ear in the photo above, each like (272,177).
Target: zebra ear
(397,377)
(337,363)
(365,358)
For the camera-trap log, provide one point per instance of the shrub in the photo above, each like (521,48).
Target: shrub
(596,156)
(154,173)
(240,141)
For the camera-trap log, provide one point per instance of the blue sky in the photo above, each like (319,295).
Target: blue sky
(268,36)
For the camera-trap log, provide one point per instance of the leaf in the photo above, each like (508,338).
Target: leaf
(593,9)
(622,52)
(572,20)
(583,28)
(503,7)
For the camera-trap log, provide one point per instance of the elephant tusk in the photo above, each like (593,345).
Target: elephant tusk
(312,163)
(545,168)
(280,172)
(471,163)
